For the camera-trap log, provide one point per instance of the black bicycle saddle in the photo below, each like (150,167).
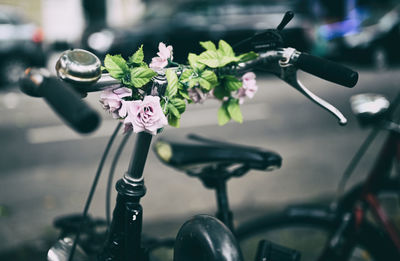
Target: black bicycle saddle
(199,151)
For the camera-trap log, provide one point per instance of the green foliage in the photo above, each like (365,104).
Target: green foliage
(220,92)
(186,74)
(172,109)
(175,108)
(206,71)
(193,60)
(208,45)
(116,66)
(134,73)
(248,56)
(140,76)
(173,121)
(184,94)
(223,115)
(179,104)
(231,83)
(225,49)
(137,58)
(210,58)
(217,58)
(210,77)
(234,110)
(229,110)
(172,87)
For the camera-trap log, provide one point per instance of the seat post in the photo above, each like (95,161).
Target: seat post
(223,211)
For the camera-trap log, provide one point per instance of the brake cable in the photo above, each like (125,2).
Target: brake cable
(111,175)
(93,189)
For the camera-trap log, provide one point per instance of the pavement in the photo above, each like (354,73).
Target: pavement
(46,169)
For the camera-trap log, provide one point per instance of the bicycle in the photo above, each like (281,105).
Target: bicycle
(344,225)
(82,70)
(345,222)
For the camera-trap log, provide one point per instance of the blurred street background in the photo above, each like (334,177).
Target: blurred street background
(46,169)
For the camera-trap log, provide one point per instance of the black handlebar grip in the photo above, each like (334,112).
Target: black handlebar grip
(327,70)
(69,105)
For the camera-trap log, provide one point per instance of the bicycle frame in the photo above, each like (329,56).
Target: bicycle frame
(371,187)
(381,172)
(365,197)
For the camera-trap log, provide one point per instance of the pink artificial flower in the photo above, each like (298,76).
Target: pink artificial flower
(249,87)
(145,115)
(112,100)
(161,60)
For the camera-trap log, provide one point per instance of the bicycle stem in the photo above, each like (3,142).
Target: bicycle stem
(139,156)
(124,237)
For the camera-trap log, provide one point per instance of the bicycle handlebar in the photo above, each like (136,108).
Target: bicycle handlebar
(62,98)
(283,62)
(322,68)
(327,70)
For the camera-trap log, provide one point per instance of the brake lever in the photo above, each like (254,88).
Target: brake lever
(289,75)
(277,62)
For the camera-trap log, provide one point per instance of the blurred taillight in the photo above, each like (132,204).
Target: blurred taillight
(38,36)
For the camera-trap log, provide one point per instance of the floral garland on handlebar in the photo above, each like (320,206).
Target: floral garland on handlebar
(206,77)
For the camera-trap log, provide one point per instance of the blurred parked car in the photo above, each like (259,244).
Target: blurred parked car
(371,37)
(184,25)
(20,45)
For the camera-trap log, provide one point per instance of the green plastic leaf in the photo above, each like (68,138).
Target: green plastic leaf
(211,77)
(174,111)
(162,104)
(247,56)
(193,82)
(234,110)
(179,104)
(206,85)
(209,58)
(225,49)
(220,92)
(232,83)
(116,66)
(173,121)
(194,63)
(140,76)
(185,76)
(127,81)
(184,94)
(137,57)
(172,87)
(208,45)
(225,60)
(223,115)
(219,58)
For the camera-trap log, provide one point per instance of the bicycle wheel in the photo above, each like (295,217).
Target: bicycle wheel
(307,230)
